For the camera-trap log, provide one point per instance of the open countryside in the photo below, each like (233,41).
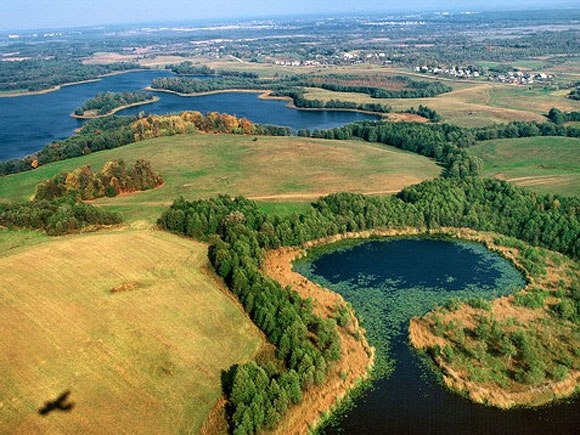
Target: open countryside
(200,264)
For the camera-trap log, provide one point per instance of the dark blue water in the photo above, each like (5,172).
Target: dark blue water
(30,122)
(409,276)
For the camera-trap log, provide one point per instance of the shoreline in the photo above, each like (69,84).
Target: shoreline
(265,95)
(58,87)
(116,109)
(359,356)
(421,337)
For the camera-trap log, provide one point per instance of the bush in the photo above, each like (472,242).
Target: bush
(479,303)
(531,299)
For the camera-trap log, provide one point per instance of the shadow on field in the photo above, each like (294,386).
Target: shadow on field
(61,403)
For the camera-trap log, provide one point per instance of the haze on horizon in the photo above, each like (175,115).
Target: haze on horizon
(38,14)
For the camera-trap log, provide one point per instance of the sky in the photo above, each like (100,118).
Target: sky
(36,14)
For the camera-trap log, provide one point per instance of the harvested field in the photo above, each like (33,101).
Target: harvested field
(131,323)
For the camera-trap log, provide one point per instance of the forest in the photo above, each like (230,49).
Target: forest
(56,217)
(84,184)
(35,75)
(239,233)
(106,102)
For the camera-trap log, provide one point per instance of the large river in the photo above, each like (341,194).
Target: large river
(27,123)
(388,282)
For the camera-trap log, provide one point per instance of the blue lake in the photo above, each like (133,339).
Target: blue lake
(28,123)
(389,281)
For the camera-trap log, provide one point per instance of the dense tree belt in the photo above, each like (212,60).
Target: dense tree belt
(36,75)
(446,143)
(115,178)
(374,85)
(298,99)
(558,117)
(56,217)
(188,68)
(378,86)
(239,232)
(106,102)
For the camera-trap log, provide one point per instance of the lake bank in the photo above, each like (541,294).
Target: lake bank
(64,85)
(356,355)
(116,109)
(422,337)
(281,270)
(29,123)
(266,95)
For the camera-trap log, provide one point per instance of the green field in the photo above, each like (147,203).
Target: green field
(542,164)
(146,359)
(269,169)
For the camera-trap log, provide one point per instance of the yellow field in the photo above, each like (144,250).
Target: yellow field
(130,322)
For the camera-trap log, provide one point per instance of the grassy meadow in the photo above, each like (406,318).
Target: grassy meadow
(472,104)
(542,164)
(269,169)
(131,322)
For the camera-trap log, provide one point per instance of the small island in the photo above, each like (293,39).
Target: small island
(108,103)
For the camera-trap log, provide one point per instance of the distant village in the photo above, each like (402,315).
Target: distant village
(470,72)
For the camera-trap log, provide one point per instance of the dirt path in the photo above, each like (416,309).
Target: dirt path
(538,180)
(310,196)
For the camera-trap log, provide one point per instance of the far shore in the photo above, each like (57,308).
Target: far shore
(265,95)
(116,109)
(58,87)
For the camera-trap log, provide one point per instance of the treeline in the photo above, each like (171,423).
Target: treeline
(287,86)
(188,68)
(187,122)
(558,117)
(96,135)
(412,88)
(574,94)
(115,178)
(442,142)
(522,129)
(36,75)
(116,131)
(305,344)
(298,99)
(187,85)
(425,112)
(106,102)
(55,217)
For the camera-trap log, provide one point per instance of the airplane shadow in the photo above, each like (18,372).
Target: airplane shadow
(61,403)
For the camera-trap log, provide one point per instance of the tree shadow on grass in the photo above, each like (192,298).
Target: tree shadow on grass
(61,403)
